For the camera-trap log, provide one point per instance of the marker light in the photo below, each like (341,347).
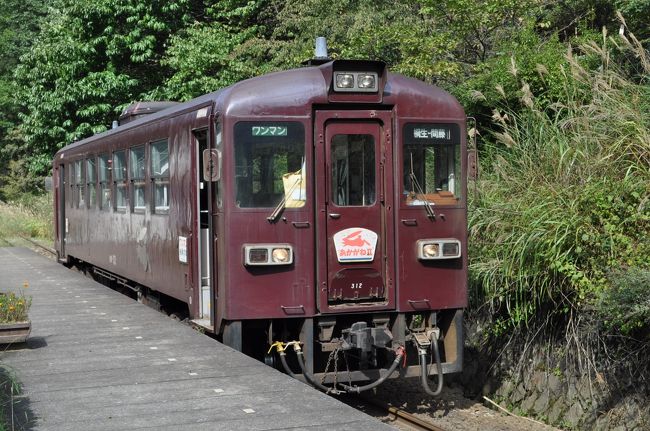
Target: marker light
(451,249)
(268,254)
(258,255)
(430,249)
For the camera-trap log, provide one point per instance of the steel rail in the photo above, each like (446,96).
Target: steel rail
(396,416)
(410,420)
(47,249)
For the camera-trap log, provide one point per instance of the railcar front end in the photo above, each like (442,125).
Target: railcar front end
(342,217)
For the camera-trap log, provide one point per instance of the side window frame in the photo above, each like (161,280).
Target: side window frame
(91,182)
(104,171)
(120,185)
(80,186)
(71,195)
(159,175)
(137,178)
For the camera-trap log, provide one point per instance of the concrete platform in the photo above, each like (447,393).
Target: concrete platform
(96,360)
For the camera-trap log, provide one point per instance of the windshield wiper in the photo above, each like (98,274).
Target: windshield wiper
(280,206)
(419,191)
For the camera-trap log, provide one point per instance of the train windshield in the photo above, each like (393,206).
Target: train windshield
(431,164)
(270,164)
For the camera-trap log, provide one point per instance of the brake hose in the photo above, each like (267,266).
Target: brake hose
(310,378)
(423,368)
(379,381)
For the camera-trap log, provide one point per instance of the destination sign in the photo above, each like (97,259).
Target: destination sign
(269,130)
(431,133)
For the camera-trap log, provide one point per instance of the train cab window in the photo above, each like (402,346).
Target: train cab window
(160,176)
(270,164)
(431,164)
(91,187)
(104,182)
(137,177)
(80,181)
(119,180)
(353,170)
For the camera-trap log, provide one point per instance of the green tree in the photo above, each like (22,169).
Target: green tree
(91,59)
(19,24)
(216,52)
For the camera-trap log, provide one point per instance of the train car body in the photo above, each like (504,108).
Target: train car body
(325,205)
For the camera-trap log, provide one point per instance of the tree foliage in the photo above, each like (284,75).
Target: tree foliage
(90,59)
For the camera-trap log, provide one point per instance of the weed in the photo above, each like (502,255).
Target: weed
(565,194)
(28,216)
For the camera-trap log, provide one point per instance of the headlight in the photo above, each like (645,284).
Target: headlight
(268,254)
(430,249)
(280,255)
(360,82)
(366,81)
(345,80)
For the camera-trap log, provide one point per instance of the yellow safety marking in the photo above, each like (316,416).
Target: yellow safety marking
(278,345)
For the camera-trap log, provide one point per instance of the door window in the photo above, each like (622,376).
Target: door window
(353,170)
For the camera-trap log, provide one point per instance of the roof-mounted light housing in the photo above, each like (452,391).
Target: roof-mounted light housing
(364,82)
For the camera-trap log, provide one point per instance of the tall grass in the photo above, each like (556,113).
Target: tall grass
(565,194)
(30,216)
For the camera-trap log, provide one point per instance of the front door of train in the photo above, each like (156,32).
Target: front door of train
(355,193)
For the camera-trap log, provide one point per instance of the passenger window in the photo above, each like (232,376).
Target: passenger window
(136,174)
(104,182)
(270,164)
(431,164)
(80,183)
(159,166)
(71,196)
(91,177)
(353,170)
(119,180)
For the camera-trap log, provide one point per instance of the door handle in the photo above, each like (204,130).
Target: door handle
(334,215)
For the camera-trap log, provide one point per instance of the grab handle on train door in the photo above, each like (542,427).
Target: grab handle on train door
(334,215)
(420,304)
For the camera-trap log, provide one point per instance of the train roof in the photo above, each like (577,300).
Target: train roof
(287,93)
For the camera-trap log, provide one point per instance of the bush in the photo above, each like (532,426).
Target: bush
(28,216)
(625,306)
(565,192)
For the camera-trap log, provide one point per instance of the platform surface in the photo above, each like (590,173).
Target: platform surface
(97,360)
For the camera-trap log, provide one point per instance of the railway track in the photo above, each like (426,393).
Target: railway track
(50,252)
(40,246)
(409,421)
(391,415)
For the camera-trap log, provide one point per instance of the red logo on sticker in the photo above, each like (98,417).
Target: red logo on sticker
(354,240)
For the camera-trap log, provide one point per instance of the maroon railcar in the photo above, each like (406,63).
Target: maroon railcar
(325,205)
